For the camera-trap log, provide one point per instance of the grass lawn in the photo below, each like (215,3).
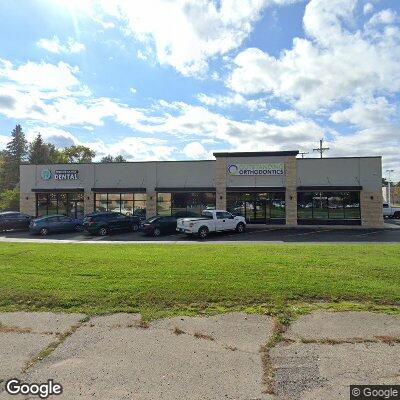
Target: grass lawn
(157,279)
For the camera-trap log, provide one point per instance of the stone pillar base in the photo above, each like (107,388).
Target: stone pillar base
(151,204)
(27,203)
(371,209)
(88,202)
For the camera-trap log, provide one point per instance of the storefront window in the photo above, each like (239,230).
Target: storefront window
(70,204)
(328,205)
(179,203)
(126,203)
(258,207)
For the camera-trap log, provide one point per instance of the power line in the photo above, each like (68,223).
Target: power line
(321,149)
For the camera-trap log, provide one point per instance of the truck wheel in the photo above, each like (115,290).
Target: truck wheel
(240,228)
(203,232)
(134,227)
(44,232)
(103,231)
(396,215)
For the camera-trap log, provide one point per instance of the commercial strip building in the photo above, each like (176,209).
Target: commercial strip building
(265,187)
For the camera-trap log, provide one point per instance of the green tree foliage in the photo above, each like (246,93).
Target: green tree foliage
(39,151)
(110,159)
(14,154)
(78,154)
(9,200)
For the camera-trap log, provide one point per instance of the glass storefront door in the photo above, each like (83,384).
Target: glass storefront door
(258,208)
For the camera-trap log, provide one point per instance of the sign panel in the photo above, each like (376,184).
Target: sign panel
(269,169)
(66,174)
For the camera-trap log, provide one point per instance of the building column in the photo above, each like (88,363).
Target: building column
(151,204)
(220,183)
(88,202)
(291,190)
(371,209)
(27,203)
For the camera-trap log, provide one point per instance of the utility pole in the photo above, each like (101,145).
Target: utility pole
(321,149)
(389,195)
(303,153)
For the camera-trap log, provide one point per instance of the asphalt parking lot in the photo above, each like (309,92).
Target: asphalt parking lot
(260,233)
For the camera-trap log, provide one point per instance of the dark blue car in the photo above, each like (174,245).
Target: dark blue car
(55,223)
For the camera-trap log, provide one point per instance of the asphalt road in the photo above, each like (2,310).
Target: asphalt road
(253,234)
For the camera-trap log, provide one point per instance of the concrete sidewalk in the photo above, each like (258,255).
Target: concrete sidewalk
(220,357)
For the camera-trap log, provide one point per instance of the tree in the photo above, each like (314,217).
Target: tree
(110,159)
(107,159)
(9,200)
(119,158)
(14,155)
(39,151)
(78,154)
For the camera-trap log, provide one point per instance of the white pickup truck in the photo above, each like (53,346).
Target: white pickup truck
(390,211)
(211,221)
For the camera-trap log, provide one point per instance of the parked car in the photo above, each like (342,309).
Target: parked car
(390,211)
(211,221)
(14,220)
(105,223)
(162,225)
(55,224)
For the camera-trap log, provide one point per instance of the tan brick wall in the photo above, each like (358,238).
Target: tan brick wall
(151,204)
(291,190)
(27,203)
(88,202)
(371,209)
(220,183)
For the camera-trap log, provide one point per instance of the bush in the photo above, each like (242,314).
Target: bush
(9,200)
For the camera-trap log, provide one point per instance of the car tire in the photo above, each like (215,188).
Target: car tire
(134,227)
(44,231)
(78,228)
(203,232)
(103,231)
(157,232)
(396,215)
(240,227)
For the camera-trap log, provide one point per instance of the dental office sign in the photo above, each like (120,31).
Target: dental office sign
(270,169)
(60,174)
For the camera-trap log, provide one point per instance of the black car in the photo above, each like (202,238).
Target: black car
(14,220)
(107,222)
(162,225)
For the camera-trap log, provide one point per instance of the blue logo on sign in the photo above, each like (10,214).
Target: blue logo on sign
(45,174)
(233,169)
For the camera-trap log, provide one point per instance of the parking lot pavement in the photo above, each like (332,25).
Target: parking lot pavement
(220,357)
(262,233)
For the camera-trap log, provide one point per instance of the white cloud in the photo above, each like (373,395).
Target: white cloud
(383,17)
(3,141)
(41,76)
(196,151)
(233,99)
(366,113)
(368,8)
(284,115)
(185,34)
(333,64)
(54,45)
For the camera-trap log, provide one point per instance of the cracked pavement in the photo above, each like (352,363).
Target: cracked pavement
(218,357)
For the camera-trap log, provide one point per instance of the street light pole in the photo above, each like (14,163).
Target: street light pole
(389,171)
